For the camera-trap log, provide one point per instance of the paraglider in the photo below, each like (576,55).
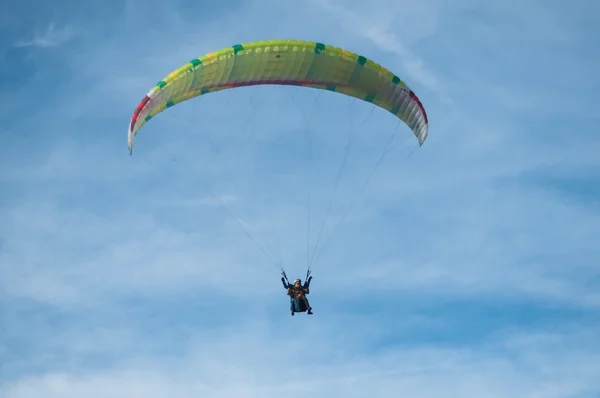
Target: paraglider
(292,63)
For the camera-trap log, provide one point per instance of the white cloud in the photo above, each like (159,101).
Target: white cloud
(257,362)
(51,37)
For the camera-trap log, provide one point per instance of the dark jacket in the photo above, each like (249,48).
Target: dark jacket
(297,292)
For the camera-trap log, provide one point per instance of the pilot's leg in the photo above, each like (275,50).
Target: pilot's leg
(308,308)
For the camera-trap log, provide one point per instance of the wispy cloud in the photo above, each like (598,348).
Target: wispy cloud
(51,37)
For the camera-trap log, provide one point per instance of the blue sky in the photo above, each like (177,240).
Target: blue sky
(468,267)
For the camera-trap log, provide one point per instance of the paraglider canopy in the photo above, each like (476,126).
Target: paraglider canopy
(284,62)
